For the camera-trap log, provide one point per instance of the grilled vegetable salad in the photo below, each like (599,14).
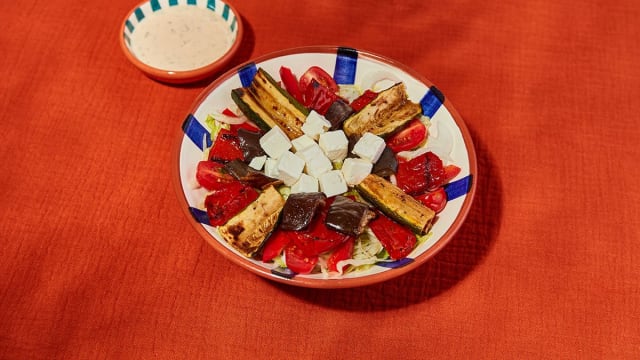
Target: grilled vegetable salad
(317,177)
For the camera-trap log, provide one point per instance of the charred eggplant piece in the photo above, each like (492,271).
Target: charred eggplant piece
(349,216)
(337,113)
(300,209)
(249,142)
(386,165)
(250,176)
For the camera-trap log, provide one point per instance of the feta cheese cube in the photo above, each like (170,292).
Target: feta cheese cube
(306,183)
(316,162)
(334,144)
(302,142)
(258,162)
(369,147)
(271,168)
(290,167)
(315,124)
(355,170)
(275,142)
(332,183)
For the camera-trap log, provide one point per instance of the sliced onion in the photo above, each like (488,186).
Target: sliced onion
(231,120)
(379,80)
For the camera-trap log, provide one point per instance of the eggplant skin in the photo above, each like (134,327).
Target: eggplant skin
(250,228)
(349,216)
(300,209)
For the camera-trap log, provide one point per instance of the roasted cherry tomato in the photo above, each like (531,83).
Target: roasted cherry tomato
(435,200)
(211,175)
(398,240)
(318,74)
(297,261)
(226,147)
(343,252)
(290,83)
(409,138)
(363,100)
(275,245)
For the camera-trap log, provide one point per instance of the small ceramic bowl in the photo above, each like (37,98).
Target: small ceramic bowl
(181,41)
(349,67)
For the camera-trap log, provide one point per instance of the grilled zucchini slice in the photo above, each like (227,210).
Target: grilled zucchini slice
(396,204)
(385,115)
(249,229)
(267,104)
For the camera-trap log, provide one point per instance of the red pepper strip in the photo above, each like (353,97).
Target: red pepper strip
(290,83)
(318,97)
(363,100)
(317,238)
(275,245)
(224,203)
(229,113)
(396,239)
(226,147)
(420,174)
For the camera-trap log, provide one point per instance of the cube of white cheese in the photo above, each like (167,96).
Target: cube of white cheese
(258,162)
(275,142)
(332,183)
(316,162)
(355,170)
(306,183)
(334,144)
(271,168)
(369,147)
(302,142)
(315,124)
(290,167)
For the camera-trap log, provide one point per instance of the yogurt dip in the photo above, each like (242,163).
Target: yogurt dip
(181,38)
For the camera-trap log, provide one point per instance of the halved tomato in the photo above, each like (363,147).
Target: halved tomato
(343,252)
(321,76)
(297,261)
(409,138)
(435,200)
(211,175)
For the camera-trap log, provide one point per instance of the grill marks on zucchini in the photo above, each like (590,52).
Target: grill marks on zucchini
(249,229)
(267,104)
(396,204)
(384,115)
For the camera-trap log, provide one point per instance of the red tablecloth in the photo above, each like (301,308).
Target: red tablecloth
(97,260)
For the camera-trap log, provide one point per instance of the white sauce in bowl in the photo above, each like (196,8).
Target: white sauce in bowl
(181,38)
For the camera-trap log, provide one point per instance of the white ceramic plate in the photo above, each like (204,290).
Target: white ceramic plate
(348,66)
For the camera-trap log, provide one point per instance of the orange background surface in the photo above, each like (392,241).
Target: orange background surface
(97,260)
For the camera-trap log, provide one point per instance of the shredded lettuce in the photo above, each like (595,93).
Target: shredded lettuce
(365,253)
(350,92)
(215,126)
